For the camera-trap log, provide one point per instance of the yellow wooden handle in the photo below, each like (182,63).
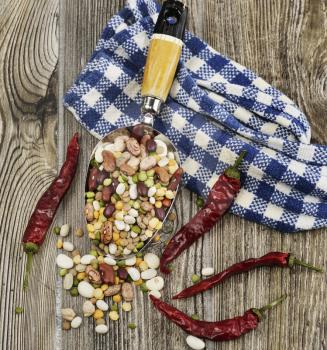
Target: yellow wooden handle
(161,65)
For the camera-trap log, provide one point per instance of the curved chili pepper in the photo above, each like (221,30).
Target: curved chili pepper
(175,179)
(217,331)
(46,207)
(270,259)
(219,201)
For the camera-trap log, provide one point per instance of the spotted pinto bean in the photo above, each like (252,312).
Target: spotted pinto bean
(133,146)
(106,232)
(163,174)
(109,161)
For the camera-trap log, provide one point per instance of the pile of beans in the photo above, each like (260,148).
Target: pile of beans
(132,182)
(106,284)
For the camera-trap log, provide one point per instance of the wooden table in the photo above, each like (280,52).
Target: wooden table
(43,46)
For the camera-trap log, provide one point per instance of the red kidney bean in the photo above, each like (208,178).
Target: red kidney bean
(92,179)
(107,193)
(160,213)
(138,132)
(107,273)
(101,176)
(142,189)
(122,273)
(115,183)
(151,146)
(109,210)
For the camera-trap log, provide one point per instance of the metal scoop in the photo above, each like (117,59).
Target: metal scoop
(161,65)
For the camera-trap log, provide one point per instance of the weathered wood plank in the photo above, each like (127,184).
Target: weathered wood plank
(28,120)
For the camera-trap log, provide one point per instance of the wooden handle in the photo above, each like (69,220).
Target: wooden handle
(161,65)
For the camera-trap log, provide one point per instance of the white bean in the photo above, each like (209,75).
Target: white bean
(171,155)
(163,162)
(207,271)
(98,153)
(133,212)
(76,322)
(86,259)
(68,246)
(129,219)
(120,189)
(110,260)
(120,225)
(131,261)
(68,281)
(88,308)
(96,205)
(133,191)
(85,289)
(195,343)
(161,148)
(64,261)
(126,251)
(127,228)
(155,293)
(134,273)
(64,230)
(112,248)
(148,274)
(102,329)
(156,283)
(152,191)
(152,260)
(102,305)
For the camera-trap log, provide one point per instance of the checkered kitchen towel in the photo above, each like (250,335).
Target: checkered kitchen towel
(216,109)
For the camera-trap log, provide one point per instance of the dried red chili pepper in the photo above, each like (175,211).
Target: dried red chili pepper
(46,207)
(217,331)
(175,179)
(219,201)
(270,259)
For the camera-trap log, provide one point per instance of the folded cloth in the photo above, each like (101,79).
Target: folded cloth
(216,109)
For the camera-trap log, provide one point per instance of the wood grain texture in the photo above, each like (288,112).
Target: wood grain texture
(43,47)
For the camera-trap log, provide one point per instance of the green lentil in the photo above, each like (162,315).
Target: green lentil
(114,307)
(95,241)
(139,255)
(135,178)
(94,253)
(149,182)
(89,194)
(136,229)
(94,163)
(97,235)
(150,173)
(19,310)
(116,196)
(139,245)
(99,188)
(199,202)
(121,263)
(136,205)
(94,264)
(75,282)
(63,272)
(89,200)
(144,288)
(195,278)
(142,176)
(56,230)
(195,317)
(74,292)
(107,182)
(131,325)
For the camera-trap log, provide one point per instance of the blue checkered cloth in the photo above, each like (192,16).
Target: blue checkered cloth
(216,108)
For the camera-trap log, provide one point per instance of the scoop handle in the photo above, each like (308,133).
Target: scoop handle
(163,56)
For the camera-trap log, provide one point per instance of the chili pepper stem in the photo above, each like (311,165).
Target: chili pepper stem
(233,171)
(30,250)
(260,312)
(292,261)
